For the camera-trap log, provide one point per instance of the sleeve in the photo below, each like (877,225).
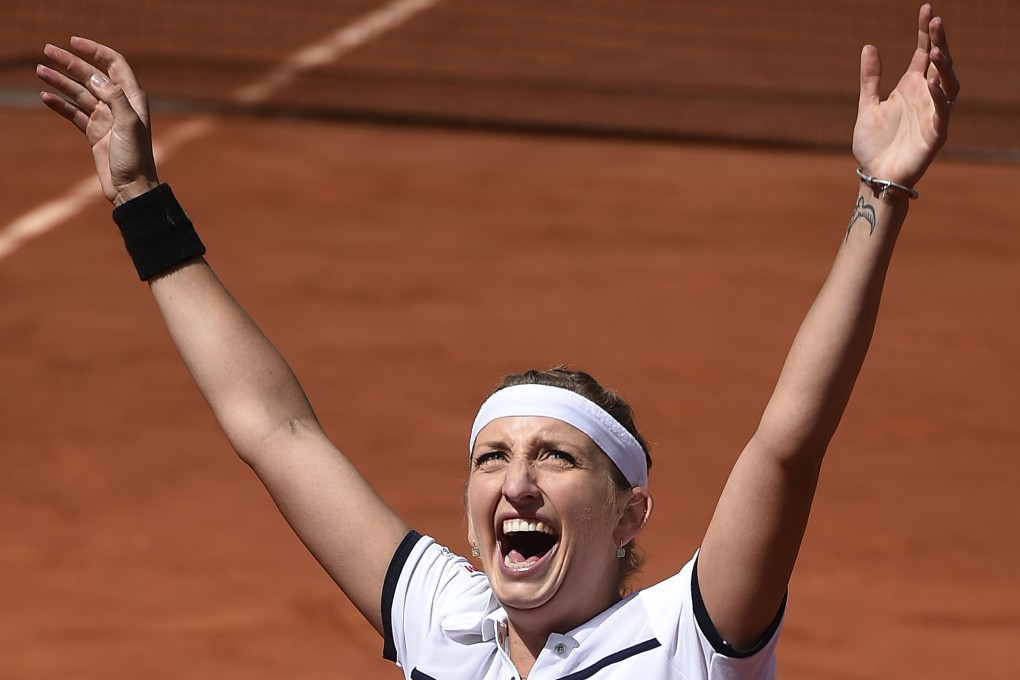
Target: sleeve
(711,635)
(691,639)
(426,584)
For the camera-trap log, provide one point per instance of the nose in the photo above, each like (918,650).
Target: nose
(520,484)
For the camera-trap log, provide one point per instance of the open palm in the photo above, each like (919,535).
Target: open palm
(898,138)
(102,99)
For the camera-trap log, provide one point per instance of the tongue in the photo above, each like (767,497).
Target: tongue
(516,557)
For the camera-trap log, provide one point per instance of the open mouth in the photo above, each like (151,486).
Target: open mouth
(523,543)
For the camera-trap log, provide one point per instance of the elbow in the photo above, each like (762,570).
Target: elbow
(793,450)
(256,440)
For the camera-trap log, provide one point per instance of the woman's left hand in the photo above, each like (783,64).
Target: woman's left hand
(897,139)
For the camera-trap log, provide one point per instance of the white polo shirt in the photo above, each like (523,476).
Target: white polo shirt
(442,622)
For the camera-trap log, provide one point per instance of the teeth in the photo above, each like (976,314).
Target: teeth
(511,526)
(519,566)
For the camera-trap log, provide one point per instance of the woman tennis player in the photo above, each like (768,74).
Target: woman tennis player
(557,485)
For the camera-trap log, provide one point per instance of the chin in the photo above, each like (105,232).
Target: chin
(554,600)
(524,591)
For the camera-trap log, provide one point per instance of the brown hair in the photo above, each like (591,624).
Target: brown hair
(589,388)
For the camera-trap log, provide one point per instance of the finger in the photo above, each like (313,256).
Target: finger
(117,69)
(871,75)
(77,68)
(107,59)
(945,74)
(113,96)
(919,62)
(71,89)
(65,109)
(942,60)
(937,31)
(943,107)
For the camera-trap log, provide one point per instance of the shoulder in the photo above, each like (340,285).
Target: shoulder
(419,561)
(678,617)
(427,588)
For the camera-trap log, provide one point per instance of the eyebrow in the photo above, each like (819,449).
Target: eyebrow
(489,444)
(541,441)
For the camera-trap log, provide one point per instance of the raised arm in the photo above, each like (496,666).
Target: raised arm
(752,542)
(250,388)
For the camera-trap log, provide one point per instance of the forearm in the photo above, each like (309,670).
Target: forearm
(751,544)
(829,349)
(247,383)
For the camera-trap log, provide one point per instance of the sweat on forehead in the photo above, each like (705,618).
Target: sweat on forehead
(555,402)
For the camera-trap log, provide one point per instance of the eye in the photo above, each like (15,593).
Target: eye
(562,457)
(489,459)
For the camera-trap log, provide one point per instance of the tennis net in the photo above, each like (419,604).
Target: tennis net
(774,73)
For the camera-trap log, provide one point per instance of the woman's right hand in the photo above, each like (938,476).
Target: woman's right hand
(101,97)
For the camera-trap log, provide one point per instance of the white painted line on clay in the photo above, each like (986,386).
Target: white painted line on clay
(366,28)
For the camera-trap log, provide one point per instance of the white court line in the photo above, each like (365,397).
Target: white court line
(53,213)
(362,30)
(367,28)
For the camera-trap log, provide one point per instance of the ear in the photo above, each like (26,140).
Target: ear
(636,508)
(470,531)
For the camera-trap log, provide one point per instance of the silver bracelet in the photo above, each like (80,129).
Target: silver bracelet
(882,186)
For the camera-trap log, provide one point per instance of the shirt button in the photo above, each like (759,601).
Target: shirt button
(560,648)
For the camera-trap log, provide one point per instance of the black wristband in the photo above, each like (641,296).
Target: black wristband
(158,233)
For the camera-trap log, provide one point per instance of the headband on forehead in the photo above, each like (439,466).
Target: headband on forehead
(573,409)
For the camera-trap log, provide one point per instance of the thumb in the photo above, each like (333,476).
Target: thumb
(114,97)
(871,74)
(129,147)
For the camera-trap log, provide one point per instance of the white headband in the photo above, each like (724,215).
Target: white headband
(573,409)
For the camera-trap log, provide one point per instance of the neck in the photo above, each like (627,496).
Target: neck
(524,648)
(528,630)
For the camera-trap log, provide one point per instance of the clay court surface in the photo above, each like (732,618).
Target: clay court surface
(402,271)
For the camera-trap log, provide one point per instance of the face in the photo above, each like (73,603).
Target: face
(548,519)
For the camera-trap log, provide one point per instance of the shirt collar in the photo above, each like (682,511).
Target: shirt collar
(495,627)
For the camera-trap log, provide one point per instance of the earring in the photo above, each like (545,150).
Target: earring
(621,552)
(475,552)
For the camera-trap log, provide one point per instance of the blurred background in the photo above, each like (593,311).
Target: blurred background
(415,197)
(763,73)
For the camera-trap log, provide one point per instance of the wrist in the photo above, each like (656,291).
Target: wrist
(883,188)
(883,215)
(158,234)
(133,190)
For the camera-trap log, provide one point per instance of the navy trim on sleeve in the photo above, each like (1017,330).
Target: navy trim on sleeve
(616,657)
(712,635)
(389,589)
